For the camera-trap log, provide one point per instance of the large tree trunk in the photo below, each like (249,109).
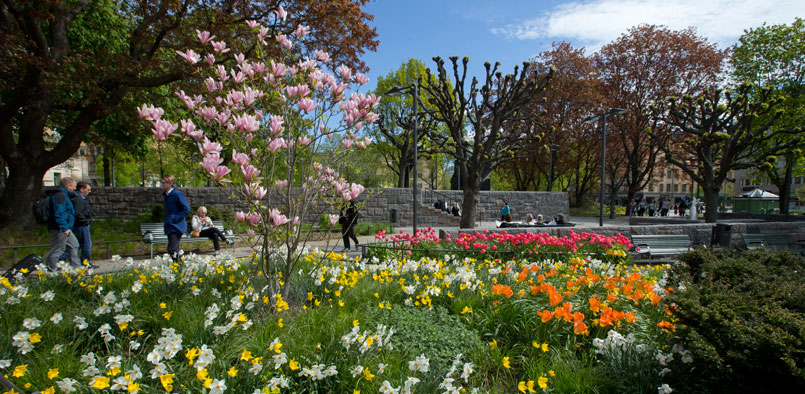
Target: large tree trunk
(24,186)
(785,187)
(107,169)
(468,207)
(710,204)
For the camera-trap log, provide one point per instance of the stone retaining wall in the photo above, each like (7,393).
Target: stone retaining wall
(127,202)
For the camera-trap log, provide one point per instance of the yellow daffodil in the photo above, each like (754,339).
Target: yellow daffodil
(542,382)
(202,374)
(19,371)
(367,374)
(279,323)
(167,381)
(163,305)
(551,373)
(34,338)
(466,310)
(232,372)
(246,355)
(355,323)
(293,365)
(132,387)
(101,382)
(49,390)
(493,344)
(53,373)
(167,315)
(506,362)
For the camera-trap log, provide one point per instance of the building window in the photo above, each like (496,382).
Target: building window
(670,174)
(676,188)
(668,187)
(660,187)
(684,188)
(651,188)
(798,180)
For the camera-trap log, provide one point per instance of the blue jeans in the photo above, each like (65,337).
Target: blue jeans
(84,242)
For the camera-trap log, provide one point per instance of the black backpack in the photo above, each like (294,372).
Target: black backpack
(41,210)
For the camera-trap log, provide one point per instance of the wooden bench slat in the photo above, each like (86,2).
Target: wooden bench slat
(156,231)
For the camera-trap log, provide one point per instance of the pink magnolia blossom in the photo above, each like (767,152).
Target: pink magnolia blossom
(210,162)
(163,129)
(281,184)
(204,36)
(208,113)
(338,89)
(278,218)
(333,219)
(240,58)
(277,143)
(301,31)
(260,192)
(295,220)
(247,123)
(252,23)
(188,127)
(281,13)
(219,47)
(190,55)
(220,173)
(238,77)
(371,117)
(150,112)
(322,56)
(210,58)
(361,79)
(240,216)
(354,191)
(284,41)
(291,90)
(253,219)
(308,64)
(278,69)
(240,158)
(347,142)
(307,105)
(262,34)
(250,172)
(208,147)
(304,141)
(345,72)
(275,125)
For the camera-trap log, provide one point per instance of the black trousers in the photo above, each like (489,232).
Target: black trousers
(348,232)
(173,245)
(214,234)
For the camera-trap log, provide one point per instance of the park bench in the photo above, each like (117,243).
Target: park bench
(154,234)
(767,241)
(661,245)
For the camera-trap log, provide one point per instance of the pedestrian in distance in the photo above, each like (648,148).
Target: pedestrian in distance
(201,226)
(348,220)
(83,218)
(505,210)
(60,226)
(176,209)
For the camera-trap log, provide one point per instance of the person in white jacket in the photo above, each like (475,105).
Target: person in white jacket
(202,227)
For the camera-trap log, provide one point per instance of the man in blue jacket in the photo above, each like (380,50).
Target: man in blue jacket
(62,218)
(176,209)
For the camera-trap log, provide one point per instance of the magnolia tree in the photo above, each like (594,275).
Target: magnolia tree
(270,130)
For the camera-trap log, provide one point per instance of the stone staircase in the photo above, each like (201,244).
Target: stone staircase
(429,216)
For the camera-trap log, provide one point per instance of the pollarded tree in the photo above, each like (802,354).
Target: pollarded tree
(773,56)
(718,132)
(487,124)
(394,130)
(642,67)
(66,64)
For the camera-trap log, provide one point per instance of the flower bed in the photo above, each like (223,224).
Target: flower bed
(579,320)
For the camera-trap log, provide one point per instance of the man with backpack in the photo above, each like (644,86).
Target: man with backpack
(60,225)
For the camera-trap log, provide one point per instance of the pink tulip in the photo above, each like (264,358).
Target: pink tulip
(204,36)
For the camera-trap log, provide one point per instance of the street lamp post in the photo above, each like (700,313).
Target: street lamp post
(603,117)
(551,147)
(414,89)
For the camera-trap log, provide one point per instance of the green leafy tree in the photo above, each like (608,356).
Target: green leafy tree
(66,64)
(718,132)
(772,56)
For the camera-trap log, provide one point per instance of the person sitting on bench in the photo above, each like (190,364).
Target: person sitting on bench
(202,227)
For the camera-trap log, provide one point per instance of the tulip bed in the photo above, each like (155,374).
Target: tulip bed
(545,314)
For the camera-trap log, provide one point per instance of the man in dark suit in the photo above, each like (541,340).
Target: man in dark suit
(176,209)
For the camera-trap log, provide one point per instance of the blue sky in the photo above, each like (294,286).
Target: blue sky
(511,31)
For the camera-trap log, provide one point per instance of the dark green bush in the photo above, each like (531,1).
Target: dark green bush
(742,317)
(435,333)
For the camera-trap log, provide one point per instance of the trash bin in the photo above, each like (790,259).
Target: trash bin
(394,215)
(722,235)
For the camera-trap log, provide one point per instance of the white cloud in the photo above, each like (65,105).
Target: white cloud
(598,22)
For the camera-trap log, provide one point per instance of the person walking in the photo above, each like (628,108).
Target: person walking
(83,218)
(348,221)
(202,227)
(176,208)
(505,210)
(60,226)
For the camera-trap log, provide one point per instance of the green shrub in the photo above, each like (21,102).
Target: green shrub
(435,333)
(742,317)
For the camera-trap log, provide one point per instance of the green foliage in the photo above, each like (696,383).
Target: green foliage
(434,332)
(741,315)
